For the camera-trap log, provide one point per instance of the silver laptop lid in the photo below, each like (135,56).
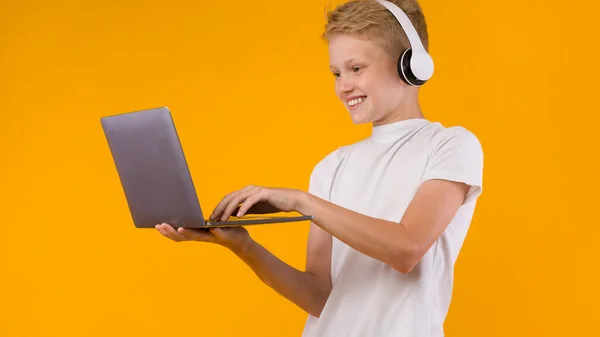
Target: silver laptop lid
(152,168)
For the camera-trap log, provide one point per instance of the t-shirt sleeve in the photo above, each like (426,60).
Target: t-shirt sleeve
(322,174)
(315,185)
(459,158)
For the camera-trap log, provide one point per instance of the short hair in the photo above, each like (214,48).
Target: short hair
(370,20)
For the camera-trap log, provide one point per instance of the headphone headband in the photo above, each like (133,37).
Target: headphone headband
(407,26)
(419,61)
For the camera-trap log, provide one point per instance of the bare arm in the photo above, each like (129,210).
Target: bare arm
(307,289)
(310,289)
(401,245)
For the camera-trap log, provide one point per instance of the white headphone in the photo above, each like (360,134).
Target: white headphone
(415,65)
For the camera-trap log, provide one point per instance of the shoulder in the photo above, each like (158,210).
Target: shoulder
(330,161)
(456,154)
(453,139)
(440,133)
(324,171)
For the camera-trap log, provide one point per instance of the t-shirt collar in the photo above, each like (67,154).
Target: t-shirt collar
(397,127)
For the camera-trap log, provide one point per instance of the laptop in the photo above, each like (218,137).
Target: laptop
(155,176)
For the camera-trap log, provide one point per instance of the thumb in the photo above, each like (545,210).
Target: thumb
(219,233)
(224,235)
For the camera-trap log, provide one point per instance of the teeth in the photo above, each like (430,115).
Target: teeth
(355,101)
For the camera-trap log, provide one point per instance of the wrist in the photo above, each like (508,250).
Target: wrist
(244,248)
(303,202)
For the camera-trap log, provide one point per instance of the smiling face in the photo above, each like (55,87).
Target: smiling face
(366,79)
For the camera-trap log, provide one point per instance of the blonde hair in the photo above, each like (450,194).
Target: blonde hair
(369,19)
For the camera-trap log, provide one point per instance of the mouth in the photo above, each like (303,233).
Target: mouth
(355,102)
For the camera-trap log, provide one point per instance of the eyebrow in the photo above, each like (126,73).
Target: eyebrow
(352,60)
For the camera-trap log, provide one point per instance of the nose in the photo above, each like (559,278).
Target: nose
(345,85)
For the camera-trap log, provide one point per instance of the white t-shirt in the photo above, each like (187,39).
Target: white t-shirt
(378,177)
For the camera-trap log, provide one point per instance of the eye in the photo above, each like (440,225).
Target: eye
(336,74)
(356,69)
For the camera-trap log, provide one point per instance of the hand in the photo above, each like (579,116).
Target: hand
(234,238)
(255,199)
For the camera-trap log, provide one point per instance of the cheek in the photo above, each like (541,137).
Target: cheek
(378,90)
(378,84)
(391,90)
(336,87)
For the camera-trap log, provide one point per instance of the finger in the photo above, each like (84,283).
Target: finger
(226,200)
(260,207)
(196,234)
(216,213)
(170,232)
(251,200)
(236,201)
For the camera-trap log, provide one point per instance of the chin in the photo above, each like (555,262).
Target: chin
(360,118)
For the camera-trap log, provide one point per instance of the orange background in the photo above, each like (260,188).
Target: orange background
(253,100)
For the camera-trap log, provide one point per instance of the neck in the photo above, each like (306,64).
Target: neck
(408,109)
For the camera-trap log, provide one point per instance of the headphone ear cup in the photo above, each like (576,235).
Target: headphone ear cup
(405,71)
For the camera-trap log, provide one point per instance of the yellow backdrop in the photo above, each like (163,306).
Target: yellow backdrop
(250,91)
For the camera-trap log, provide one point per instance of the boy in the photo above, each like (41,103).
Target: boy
(390,212)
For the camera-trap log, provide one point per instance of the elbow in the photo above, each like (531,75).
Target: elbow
(318,300)
(406,260)
(316,312)
(404,268)
(317,309)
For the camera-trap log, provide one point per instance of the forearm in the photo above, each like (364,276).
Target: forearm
(301,288)
(383,240)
